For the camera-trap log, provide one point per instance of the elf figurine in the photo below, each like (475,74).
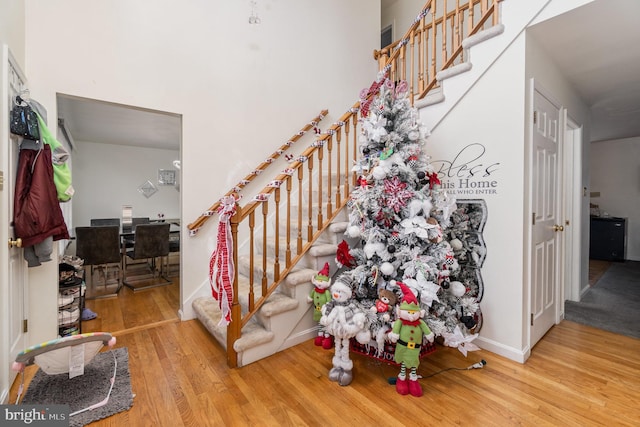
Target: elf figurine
(319,296)
(407,333)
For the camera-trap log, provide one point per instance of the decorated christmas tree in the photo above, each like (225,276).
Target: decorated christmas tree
(404,229)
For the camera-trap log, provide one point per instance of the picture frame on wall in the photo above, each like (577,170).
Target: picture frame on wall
(166,177)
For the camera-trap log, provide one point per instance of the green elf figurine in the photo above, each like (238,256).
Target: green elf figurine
(407,333)
(319,296)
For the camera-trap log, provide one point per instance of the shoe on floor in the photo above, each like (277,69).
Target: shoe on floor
(87,314)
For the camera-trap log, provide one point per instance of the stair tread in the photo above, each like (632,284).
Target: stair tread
(209,314)
(253,334)
(278,303)
(339,227)
(301,276)
(323,249)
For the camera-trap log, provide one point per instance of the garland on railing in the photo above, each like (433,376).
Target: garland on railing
(221,267)
(313,124)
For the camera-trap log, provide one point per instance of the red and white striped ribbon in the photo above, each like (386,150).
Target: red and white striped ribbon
(221,268)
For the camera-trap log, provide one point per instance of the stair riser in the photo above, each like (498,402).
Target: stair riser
(327,239)
(244,267)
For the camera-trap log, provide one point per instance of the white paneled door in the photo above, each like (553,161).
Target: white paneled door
(547,225)
(13,269)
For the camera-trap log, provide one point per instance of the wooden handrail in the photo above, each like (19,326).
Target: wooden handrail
(420,69)
(194,226)
(458,51)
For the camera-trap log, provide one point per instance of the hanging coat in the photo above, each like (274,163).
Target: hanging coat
(61,171)
(36,211)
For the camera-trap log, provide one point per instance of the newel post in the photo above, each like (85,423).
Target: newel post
(235,326)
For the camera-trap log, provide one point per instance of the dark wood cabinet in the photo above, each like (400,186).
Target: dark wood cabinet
(608,239)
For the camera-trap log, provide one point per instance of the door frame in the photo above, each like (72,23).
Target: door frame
(573,191)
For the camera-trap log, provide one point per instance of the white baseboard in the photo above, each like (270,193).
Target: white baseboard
(187,312)
(300,337)
(511,353)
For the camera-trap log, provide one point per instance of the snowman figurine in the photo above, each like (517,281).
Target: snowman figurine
(344,320)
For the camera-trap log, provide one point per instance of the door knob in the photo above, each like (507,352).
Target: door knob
(15,243)
(558,228)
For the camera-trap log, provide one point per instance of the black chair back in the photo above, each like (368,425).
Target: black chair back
(135,222)
(151,240)
(105,221)
(98,245)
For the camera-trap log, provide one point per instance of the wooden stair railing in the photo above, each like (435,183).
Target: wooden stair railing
(434,43)
(195,225)
(283,221)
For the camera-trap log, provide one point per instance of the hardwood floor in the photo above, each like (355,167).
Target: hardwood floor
(135,310)
(576,376)
(596,269)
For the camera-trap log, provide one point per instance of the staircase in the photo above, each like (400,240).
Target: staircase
(274,268)
(285,319)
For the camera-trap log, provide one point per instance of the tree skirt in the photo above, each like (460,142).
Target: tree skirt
(87,389)
(387,353)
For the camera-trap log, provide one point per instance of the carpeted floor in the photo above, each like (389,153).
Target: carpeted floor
(613,303)
(87,389)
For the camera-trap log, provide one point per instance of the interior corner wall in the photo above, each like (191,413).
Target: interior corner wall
(242,90)
(478,150)
(107,185)
(616,176)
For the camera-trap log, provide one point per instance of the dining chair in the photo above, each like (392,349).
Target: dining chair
(174,248)
(105,221)
(99,247)
(130,238)
(151,241)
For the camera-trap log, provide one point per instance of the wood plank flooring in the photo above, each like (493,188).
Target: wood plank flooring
(596,269)
(576,376)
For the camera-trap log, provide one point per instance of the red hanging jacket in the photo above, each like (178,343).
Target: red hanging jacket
(36,211)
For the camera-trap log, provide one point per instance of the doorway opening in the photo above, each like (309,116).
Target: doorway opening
(121,155)
(386,36)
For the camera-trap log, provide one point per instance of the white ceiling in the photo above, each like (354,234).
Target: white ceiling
(103,122)
(595,46)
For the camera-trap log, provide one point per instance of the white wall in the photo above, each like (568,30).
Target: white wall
(615,174)
(241,90)
(486,130)
(12,27)
(107,176)
(401,15)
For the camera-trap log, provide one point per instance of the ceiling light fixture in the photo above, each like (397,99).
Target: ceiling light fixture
(254,19)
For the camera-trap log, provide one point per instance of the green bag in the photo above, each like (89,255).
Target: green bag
(61,171)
